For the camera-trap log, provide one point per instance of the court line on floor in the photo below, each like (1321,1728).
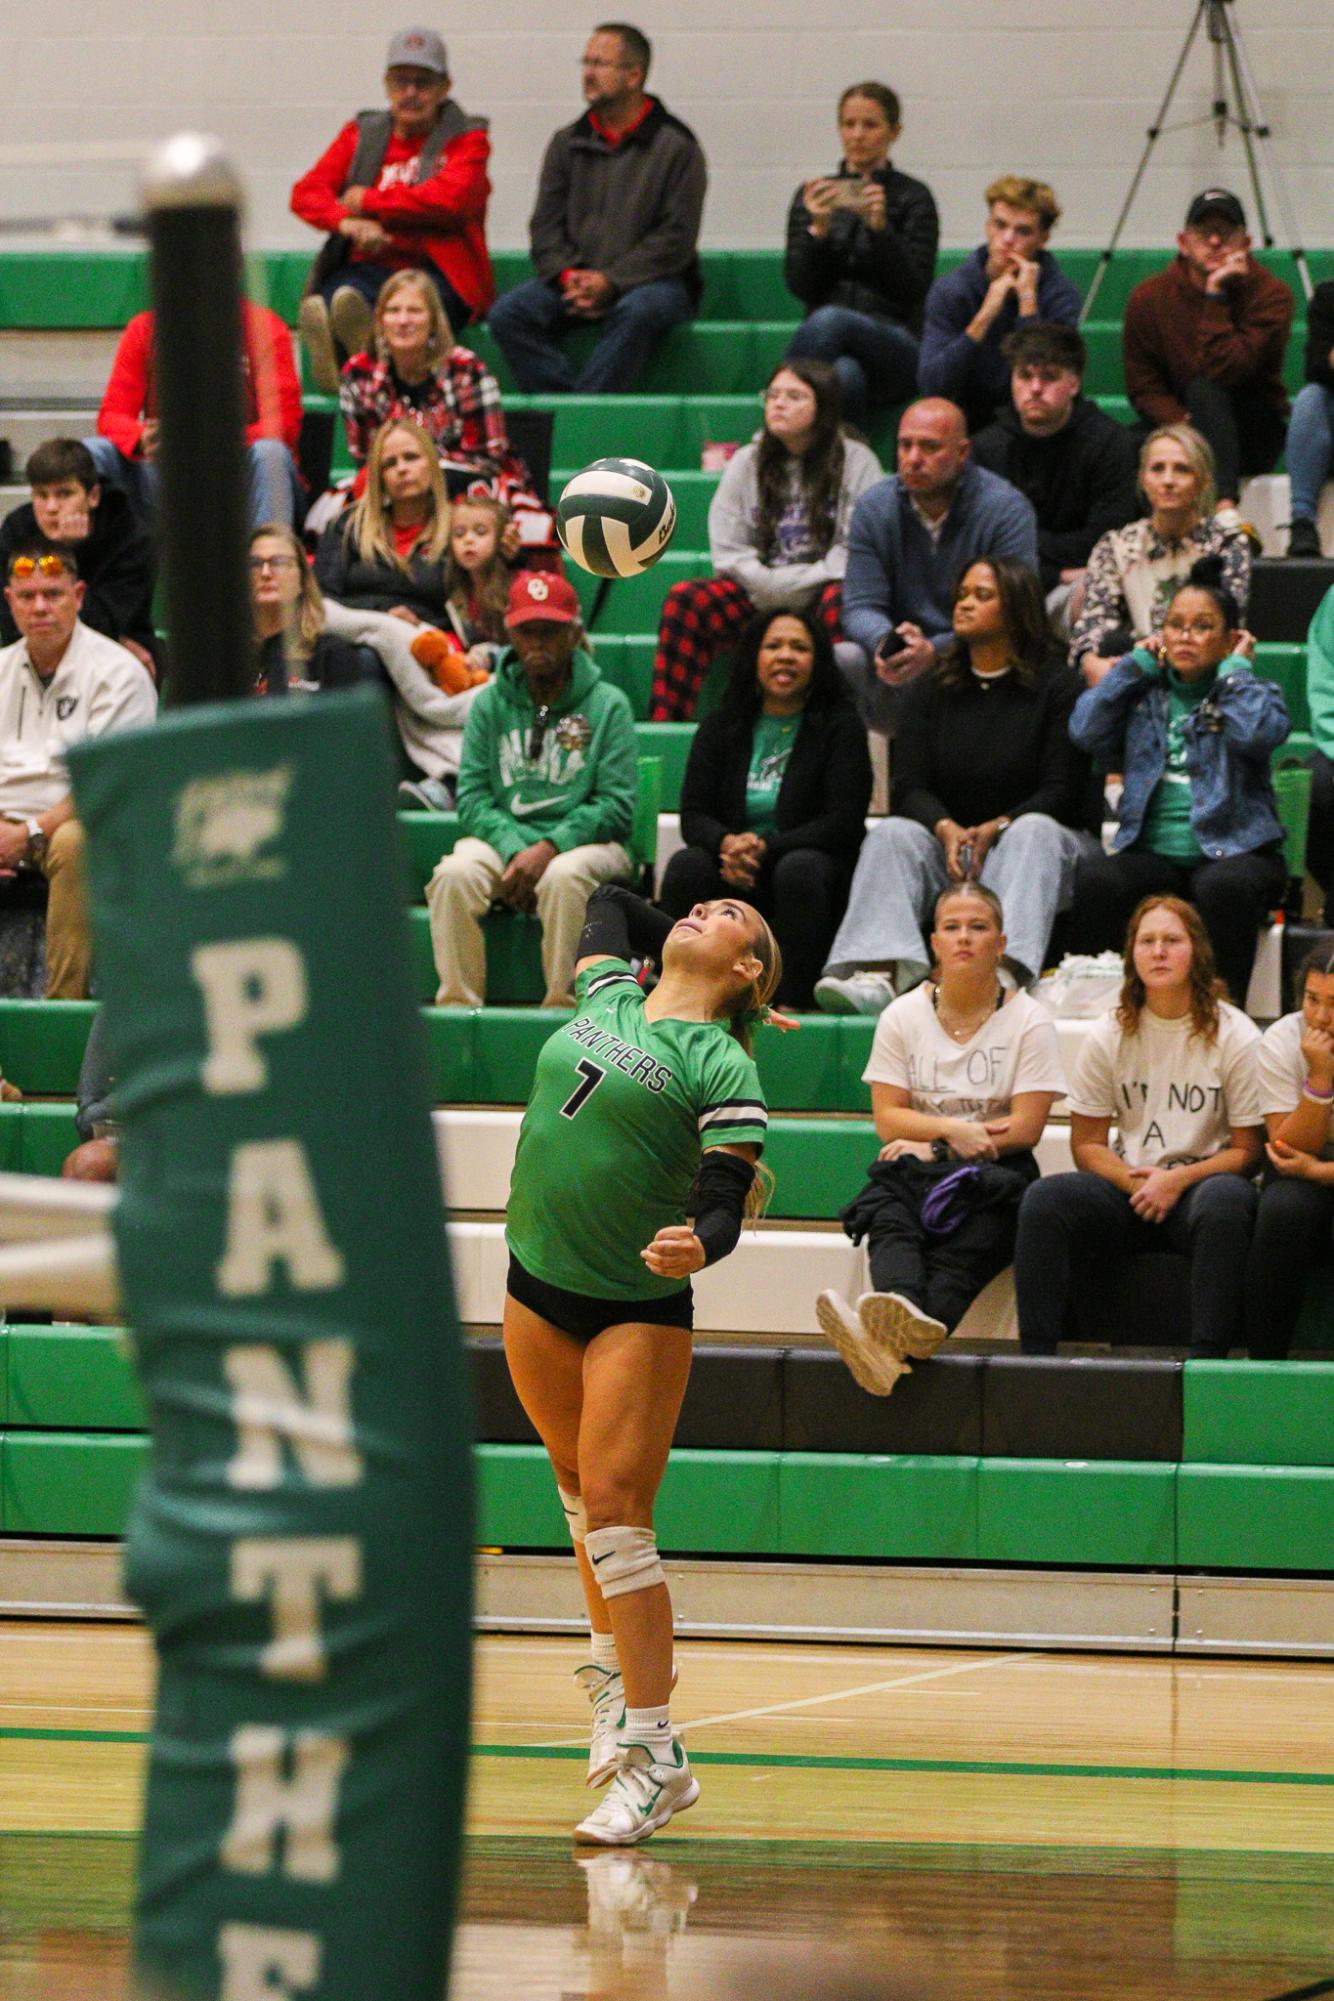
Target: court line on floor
(1018,1768)
(829,1695)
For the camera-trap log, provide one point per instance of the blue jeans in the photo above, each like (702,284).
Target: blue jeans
(875,360)
(274,489)
(368,278)
(529,321)
(1310,448)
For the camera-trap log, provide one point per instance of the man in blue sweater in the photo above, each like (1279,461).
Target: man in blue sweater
(909,541)
(1010,281)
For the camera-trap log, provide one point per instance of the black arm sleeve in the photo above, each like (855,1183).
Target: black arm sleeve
(720,1192)
(620,925)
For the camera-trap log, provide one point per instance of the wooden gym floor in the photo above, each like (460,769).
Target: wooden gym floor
(989,1826)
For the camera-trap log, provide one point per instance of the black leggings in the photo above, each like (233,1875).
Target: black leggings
(942,1275)
(1071,1224)
(1292,1229)
(803,895)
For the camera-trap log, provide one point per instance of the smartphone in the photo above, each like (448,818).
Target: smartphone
(965,859)
(893,642)
(847,193)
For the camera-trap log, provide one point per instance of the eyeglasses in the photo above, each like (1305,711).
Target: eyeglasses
(537,735)
(38,566)
(258,563)
(1199,628)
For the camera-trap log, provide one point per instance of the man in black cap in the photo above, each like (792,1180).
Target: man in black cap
(400,188)
(1204,343)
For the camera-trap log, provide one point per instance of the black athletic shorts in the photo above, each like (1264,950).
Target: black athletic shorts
(578,1315)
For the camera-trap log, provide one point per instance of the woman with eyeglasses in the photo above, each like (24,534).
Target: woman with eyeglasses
(1191,726)
(778,533)
(295,653)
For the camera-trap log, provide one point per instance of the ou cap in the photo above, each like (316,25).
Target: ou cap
(1216,201)
(537,594)
(417,48)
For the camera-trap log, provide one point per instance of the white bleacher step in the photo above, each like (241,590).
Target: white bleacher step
(1266,502)
(30,423)
(767,1286)
(476,1148)
(39,363)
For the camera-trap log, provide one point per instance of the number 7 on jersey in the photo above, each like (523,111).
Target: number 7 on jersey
(592,1076)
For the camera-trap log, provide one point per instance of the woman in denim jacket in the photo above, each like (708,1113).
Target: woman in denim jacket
(1190,725)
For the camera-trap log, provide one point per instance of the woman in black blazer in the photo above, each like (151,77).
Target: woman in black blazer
(773,805)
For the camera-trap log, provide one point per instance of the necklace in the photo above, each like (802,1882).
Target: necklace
(966,1033)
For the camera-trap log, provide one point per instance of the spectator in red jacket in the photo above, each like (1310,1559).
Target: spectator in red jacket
(399,189)
(1204,343)
(125,448)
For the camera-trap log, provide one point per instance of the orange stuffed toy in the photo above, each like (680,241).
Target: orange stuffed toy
(448,666)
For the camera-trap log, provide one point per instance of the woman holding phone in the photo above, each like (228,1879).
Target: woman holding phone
(861,253)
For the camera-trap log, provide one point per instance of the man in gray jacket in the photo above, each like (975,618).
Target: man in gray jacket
(613,232)
(910,539)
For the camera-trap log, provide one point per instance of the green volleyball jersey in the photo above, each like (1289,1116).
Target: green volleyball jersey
(620,1111)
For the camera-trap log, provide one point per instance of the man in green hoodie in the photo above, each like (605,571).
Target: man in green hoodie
(546,795)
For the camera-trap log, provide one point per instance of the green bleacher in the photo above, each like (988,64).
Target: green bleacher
(1253,1488)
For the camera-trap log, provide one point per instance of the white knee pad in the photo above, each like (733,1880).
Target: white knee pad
(576,1520)
(624,1560)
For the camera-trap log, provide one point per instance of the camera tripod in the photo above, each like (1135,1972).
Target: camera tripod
(1232,70)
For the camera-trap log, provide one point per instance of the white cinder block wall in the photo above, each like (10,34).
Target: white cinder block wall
(1059,88)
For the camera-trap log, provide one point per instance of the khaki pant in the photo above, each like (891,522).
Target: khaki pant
(462,890)
(68,946)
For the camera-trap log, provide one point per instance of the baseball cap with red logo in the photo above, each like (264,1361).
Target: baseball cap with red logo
(417,48)
(538,594)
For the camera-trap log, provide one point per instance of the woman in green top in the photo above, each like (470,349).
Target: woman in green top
(1191,725)
(774,799)
(643,1111)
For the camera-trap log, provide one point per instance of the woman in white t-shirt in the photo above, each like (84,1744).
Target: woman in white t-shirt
(1173,1068)
(1296,1211)
(963,1073)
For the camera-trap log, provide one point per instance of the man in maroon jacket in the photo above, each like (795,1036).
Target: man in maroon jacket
(1204,343)
(399,189)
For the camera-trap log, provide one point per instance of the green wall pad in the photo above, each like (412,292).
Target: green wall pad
(711,1503)
(1259,1414)
(42,1044)
(1253,1518)
(68,1483)
(817,1167)
(72,1379)
(34,1139)
(1073,1512)
(845,1505)
(799,1068)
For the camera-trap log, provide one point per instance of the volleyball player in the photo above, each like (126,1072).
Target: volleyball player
(643,1111)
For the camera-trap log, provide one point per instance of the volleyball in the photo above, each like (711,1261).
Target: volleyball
(616,517)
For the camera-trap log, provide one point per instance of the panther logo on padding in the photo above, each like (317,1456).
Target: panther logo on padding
(223,824)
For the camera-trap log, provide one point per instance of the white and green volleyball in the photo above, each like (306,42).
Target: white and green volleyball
(616,517)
